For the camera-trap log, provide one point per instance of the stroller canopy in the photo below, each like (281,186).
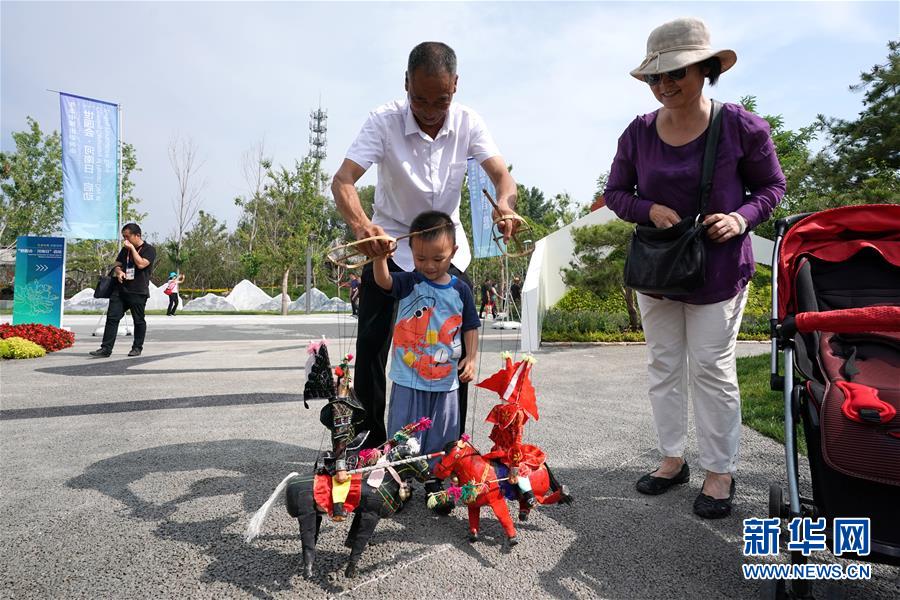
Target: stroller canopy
(835,235)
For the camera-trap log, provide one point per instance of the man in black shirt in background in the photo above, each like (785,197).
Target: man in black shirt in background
(515,292)
(132,272)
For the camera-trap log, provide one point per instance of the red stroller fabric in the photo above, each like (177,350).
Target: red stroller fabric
(862,445)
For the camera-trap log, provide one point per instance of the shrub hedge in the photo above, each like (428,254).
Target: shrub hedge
(582,316)
(16,347)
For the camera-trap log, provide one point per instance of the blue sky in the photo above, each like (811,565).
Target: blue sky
(550,79)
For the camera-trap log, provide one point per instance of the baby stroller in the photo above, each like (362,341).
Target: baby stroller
(836,318)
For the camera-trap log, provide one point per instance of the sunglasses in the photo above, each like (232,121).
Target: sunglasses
(676,75)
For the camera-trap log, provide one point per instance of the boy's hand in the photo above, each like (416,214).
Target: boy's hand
(341,476)
(466,369)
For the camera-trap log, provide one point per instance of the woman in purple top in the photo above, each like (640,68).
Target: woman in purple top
(655,178)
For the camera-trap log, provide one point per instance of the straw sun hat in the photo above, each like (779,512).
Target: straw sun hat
(677,44)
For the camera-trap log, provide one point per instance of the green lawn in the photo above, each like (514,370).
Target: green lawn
(762,409)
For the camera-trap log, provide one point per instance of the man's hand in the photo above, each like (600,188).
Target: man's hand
(120,275)
(374,248)
(663,216)
(128,245)
(466,370)
(341,476)
(508,226)
(721,228)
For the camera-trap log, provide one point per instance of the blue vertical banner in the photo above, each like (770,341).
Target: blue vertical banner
(483,228)
(40,273)
(90,167)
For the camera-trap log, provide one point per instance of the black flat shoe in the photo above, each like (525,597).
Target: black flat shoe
(134,352)
(101,353)
(653,486)
(707,507)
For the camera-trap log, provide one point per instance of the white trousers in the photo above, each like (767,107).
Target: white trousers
(693,346)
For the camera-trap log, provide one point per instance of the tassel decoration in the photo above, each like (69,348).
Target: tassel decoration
(469,492)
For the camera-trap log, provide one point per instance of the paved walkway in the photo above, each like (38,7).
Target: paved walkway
(135,478)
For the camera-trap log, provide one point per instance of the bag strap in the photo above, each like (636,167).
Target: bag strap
(709,155)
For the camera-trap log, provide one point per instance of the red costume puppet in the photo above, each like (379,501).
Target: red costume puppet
(511,469)
(513,384)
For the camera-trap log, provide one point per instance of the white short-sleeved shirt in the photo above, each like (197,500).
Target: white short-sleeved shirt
(417,173)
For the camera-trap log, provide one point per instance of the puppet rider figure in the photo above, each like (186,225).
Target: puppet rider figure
(513,384)
(342,416)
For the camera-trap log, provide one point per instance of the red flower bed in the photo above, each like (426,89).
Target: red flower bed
(50,337)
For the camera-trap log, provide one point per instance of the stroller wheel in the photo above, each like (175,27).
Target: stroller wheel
(776,501)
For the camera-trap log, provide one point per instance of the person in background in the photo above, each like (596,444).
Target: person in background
(354,293)
(515,293)
(488,299)
(171,290)
(134,264)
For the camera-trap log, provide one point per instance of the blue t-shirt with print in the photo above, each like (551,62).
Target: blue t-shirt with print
(428,331)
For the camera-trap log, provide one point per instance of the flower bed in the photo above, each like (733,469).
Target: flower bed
(47,336)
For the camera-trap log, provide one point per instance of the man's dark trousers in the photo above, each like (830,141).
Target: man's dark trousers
(119,302)
(373,342)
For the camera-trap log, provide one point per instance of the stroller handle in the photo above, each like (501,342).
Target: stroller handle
(785,223)
(851,320)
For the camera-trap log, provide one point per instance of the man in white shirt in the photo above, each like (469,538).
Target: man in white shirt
(421,146)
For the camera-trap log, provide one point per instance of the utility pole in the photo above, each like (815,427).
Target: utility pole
(318,140)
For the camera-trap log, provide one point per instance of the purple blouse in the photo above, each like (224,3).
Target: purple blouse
(747,180)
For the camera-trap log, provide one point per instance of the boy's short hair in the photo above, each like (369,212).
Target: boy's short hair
(434,224)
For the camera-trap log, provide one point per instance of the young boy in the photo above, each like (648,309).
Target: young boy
(434,310)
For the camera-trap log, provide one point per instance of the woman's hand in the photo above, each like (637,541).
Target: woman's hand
(721,228)
(663,216)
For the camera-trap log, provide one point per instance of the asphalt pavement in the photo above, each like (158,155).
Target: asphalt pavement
(135,478)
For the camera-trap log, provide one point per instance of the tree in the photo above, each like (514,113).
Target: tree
(31,188)
(546,215)
(293,214)
(255,165)
(872,141)
(599,264)
(186,164)
(207,246)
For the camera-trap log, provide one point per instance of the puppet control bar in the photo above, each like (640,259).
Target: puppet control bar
(402,461)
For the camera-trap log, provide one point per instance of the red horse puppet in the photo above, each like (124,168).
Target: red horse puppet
(511,470)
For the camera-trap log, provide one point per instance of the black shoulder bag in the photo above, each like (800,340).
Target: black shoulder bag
(672,261)
(104,287)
